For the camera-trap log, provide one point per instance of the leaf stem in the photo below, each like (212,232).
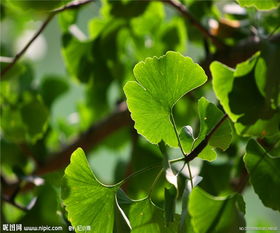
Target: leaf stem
(155,182)
(177,160)
(181,148)
(137,173)
(176,132)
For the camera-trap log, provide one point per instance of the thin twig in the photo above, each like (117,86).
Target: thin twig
(185,12)
(146,169)
(72,5)
(180,146)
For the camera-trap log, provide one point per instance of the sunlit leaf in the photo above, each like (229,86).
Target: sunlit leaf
(214,214)
(160,83)
(87,201)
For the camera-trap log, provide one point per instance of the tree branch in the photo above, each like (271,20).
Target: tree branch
(185,12)
(13,203)
(71,5)
(87,140)
(205,141)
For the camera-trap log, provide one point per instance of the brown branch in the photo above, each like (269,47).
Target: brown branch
(94,135)
(13,203)
(205,141)
(71,5)
(28,153)
(185,12)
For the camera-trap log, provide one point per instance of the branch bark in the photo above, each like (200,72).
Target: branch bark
(205,141)
(71,5)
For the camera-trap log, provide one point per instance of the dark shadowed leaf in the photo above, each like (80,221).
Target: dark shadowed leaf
(264,174)
(145,217)
(53,87)
(35,115)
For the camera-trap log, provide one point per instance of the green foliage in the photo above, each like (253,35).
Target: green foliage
(176,103)
(52,88)
(254,116)
(47,203)
(36,5)
(81,190)
(146,217)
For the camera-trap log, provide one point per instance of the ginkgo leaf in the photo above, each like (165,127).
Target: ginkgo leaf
(160,83)
(264,174)
(255,116)
(211,214)
(88,202)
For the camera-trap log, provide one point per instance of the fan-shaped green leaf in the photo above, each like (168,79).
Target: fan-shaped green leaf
(160,83)
(88,202)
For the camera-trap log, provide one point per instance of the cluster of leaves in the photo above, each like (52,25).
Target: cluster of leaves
(229,123)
